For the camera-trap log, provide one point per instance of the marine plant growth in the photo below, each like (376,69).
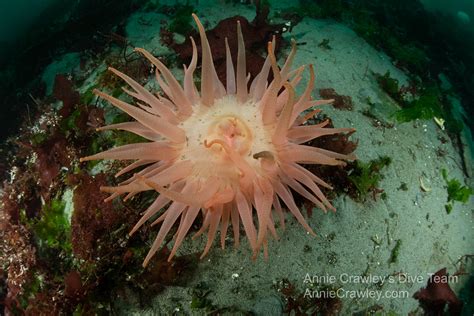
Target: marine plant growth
(456,191)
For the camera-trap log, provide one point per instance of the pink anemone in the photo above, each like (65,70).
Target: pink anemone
(222,152)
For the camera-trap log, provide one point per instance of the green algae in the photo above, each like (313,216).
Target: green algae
(426,107)
(52,228)
(181,20)
(389,85)
(395,252)
(456,191)
(366,175)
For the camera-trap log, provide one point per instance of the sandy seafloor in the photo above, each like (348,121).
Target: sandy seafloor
(359,237)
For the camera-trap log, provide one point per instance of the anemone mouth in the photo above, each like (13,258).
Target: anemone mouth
(237,125)
(233,131)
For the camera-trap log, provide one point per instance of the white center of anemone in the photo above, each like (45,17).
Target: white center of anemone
(238,125)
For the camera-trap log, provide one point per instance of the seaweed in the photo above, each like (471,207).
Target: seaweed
(341,102)
(426,107)
(376,121)
(408,55)
(96,227)
(366,176)
(93,220)
(38,240)
(135,67)
(375,310)
(88,96)
(181,20)
(430,102)
(257,34)
(199,298)
(52,156)
(325,44)
(17,263)
(437,294)
(395,252)
(403,186)
(37,139)
(52,228)
(73,286)
(107,79)
(456,191)
(64,91)
(50,231)
(299,303)
(30,291)
(336,176)
(68,124)
(389,85)
(367,27)
(368,24)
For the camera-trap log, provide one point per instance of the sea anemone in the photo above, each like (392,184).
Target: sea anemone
(225,151)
